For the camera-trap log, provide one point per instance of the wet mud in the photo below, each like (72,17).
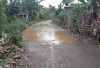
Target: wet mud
(47,33)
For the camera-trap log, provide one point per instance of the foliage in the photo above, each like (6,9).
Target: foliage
(11,18)
(15,35)
(13,30)
(2,15)
(86,4)
(66,2)
(4,3)
(11,9)
(41,14)
(61,16)
(9,24)
(32,6)
(76,11)
(52,8)
(47,13)
(29,5)
(57,12)
(1,62)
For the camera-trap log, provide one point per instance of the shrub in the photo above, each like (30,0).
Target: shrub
(61,16)
(41,15)
(15,34)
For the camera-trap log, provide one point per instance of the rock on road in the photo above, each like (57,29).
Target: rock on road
(48,46)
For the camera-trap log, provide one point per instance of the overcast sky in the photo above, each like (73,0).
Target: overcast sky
(52,2)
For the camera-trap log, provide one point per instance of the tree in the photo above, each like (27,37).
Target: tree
(11,11)
(94,7)
(32,6)
(58,10)
(52,8)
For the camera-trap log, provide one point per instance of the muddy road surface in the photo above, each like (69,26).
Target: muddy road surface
(48,46)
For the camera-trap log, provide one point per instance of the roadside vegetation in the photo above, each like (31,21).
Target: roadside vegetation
(81,17)
(12,26)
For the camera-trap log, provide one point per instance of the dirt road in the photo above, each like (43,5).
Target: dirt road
(48,46)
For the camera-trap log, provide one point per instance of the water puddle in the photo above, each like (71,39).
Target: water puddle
(45,33)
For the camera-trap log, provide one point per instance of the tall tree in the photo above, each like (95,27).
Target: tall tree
(32,6)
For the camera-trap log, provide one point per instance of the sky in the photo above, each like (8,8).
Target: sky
(52,2)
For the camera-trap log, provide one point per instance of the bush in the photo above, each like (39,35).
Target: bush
(15,34)
(61,16)
(41,15)
(11,18)
(13,30)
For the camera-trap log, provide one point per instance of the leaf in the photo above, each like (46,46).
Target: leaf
(1,62)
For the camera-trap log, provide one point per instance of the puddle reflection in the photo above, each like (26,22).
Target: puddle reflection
(47,35)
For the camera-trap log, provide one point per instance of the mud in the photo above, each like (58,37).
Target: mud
(47,33)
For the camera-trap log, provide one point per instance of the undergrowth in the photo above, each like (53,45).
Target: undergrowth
(14,30)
